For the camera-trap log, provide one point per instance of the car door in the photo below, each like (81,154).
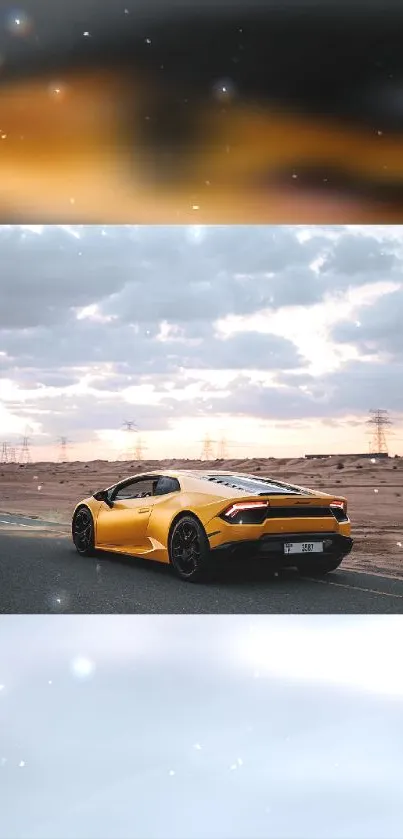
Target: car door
(124,525)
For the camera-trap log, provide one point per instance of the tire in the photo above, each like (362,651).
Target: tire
(83,531)
(189,550)
(320,567)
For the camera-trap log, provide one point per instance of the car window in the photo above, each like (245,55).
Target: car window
(166,485)
(137,489)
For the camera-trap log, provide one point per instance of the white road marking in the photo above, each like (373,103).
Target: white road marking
(372,574)
(355,588)
(15,523)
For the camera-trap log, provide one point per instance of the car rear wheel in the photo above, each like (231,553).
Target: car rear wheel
(189,550)
(83,532)
(319,567)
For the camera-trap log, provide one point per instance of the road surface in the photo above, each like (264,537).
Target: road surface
(40,572)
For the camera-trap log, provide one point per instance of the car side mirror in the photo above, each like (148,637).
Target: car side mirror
(102,495)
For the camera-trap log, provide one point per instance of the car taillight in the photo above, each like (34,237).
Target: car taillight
(341,505)
(246,505)
(246,512)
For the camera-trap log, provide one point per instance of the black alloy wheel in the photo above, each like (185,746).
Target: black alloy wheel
(189,550)
(83,532)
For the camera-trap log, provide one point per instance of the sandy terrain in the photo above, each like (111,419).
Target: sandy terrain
(374,492)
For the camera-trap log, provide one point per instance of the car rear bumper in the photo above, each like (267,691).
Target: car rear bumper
(272,546)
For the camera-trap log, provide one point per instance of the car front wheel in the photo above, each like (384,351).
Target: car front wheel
(83,532)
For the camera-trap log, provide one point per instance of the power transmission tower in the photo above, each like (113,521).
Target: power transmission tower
(131,449)
(8,453)
(140,447)
(207,450)
(25,450)
(379,421)
(222,447)
(5,453)
(222,451)
(63,450)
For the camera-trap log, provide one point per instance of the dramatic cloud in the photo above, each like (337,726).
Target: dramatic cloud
(269,323)
(359,258)
(379,329)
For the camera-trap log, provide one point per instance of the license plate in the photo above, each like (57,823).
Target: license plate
(303,547)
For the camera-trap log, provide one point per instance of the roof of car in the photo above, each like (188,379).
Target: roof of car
(223,482)
(194,473)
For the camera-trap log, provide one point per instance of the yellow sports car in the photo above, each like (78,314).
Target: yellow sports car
(186,517)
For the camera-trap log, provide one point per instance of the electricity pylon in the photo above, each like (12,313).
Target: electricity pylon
(207,450)
(222,450)
(139,449)
(130,452)
(25,456)
(380,422)
(63,450)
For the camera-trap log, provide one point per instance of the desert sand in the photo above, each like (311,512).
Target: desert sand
(374,491)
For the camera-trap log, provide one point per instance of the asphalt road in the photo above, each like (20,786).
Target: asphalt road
(41,572)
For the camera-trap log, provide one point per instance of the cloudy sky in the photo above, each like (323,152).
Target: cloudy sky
(279,339)
(189,727)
